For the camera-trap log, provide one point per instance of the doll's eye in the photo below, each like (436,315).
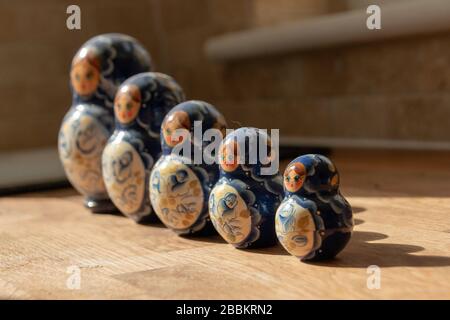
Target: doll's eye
(77,77)
(287,179)
(296,178)
(128,106)
(89,75)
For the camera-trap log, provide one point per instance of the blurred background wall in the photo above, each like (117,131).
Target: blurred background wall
(396,89)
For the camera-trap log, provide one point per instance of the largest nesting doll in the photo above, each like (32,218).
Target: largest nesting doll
(181,180)
(97,70)
(140,106)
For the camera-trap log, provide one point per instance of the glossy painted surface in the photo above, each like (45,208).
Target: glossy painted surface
(140,106)
(243,203)
(82,137)
(97,70)
(296,228)
(230,214)
(314,221)
(124,174)
(179,189)
(177,194)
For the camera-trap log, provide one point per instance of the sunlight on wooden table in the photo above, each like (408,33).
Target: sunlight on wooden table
(401,204)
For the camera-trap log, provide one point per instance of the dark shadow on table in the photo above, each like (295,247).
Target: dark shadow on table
(357,210)
(154,224)
(278,248)
(362,252)
(60,191)
(206,238)
(274,250)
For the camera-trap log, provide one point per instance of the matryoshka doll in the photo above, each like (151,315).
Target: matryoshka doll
(98,68)
(243,202)
(181,181)
(141,103)
(314,221)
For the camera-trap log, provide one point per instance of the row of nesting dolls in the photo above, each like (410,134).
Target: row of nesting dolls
(117,143)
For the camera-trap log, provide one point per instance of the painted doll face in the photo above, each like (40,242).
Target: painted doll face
(127,103)
(294,177)
(85,76)
(229,156)
(176,121)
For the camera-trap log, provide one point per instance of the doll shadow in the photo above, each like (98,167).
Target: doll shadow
(279,250)
(273,250)
(361,252)
(357,210)
(153,224)
(205,238)
(110,213)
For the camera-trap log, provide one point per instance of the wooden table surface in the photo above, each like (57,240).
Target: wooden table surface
(401,203)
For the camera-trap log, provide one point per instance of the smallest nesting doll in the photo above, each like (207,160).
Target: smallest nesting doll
(183,177)
(314,221)
(243,202)
(141,104)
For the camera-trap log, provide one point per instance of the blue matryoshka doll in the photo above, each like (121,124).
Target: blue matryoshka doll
(243,202)
(140,106)
(179,184)
(97,70)
(314,221)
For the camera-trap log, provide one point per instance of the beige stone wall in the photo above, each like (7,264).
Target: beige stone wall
(394,89)
(398,89)
(36,49)
(269,12)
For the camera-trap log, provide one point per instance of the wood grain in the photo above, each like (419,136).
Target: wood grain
(401,203)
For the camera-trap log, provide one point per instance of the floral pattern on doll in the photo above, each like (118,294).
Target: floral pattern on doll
(233,212)
(176,194)
(80,156)
(296,228)
(124,175)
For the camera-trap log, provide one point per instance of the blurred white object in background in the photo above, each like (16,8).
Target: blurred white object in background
(398,18)
(360,4)
(33,167)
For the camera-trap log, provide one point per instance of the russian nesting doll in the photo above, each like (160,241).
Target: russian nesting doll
(97,70)
(243,202)
(140,106)
(314,221)
(181,182)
